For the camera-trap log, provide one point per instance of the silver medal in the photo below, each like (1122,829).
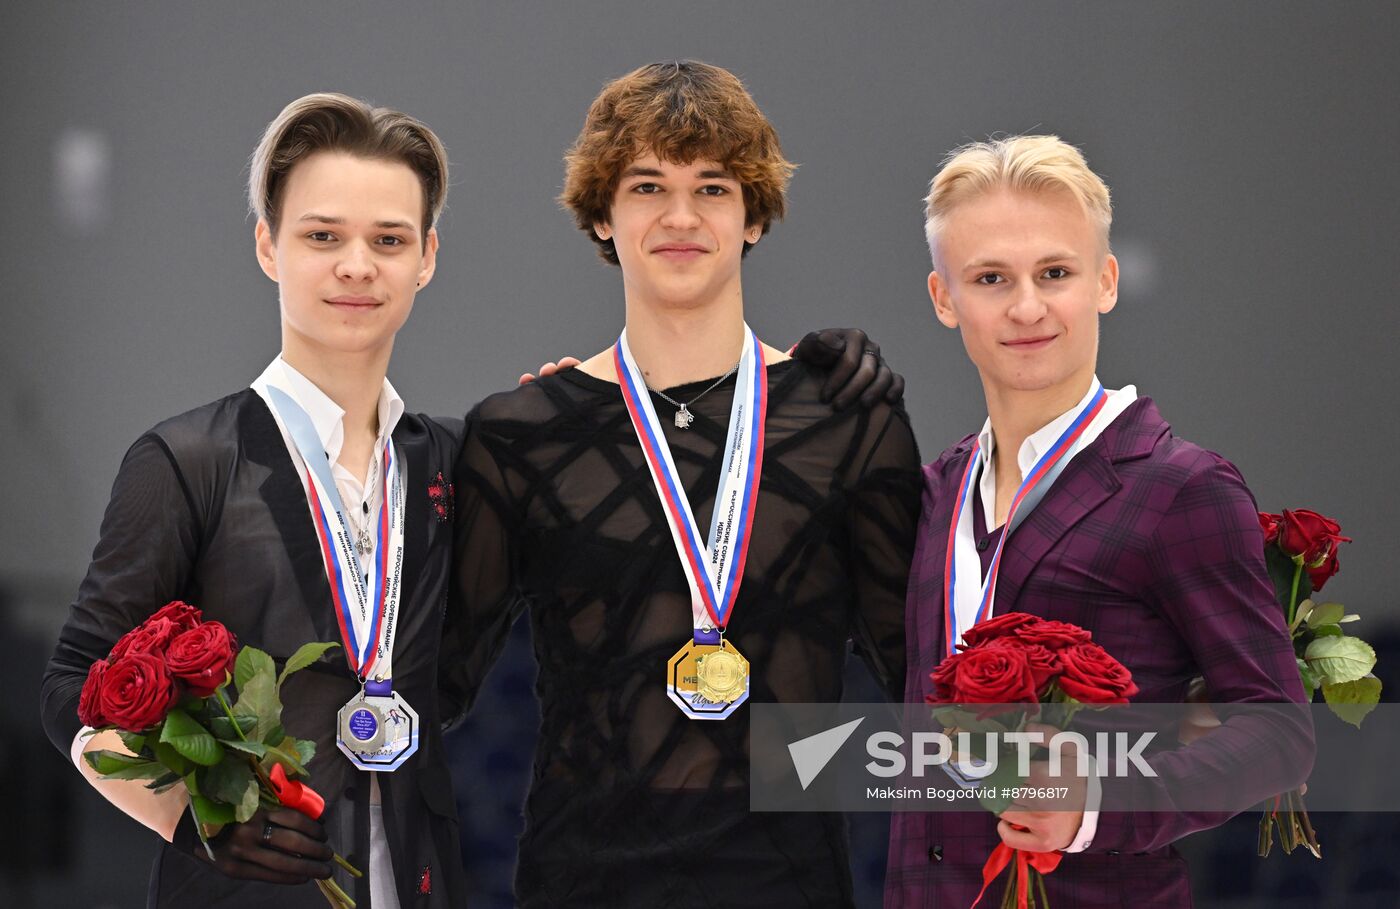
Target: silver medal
(377,733)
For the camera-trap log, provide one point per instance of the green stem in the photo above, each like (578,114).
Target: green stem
(228,711)
(199,829)
(1293,595)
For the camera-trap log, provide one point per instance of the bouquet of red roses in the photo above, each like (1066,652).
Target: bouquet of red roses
(164,689)
(1300,549)
(1023,668)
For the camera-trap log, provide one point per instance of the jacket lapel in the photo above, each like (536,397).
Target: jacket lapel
(1084,485)
(282,493)
(412,442)
(925,602)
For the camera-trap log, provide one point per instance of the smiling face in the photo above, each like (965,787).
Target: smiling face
(679,232)
(1025,277)
(349,255)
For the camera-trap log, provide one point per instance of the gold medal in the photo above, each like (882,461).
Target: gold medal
(722,675)
(708,681)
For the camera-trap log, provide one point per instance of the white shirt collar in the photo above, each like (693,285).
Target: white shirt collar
(327,416)
(1040,441)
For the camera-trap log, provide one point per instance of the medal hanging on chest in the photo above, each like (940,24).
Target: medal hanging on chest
(965,601)
(376,729)
(708,678)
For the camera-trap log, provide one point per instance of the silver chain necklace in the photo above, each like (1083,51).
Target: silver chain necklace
(364,543)
(683,416)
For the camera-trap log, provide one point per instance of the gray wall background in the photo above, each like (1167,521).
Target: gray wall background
(1251,148)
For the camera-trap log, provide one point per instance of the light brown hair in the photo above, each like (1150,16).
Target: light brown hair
(681,111)
(328,121)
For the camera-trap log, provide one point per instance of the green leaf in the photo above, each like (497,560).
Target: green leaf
(1349,617)
(134,741)
(223,729)
(258,697)
(1309,679)
(275,735)
(171,758)
(1340,659)
(306,655)
(117,766)
(966,720)
(164,783)
(1326,614)
(1353,700)
(250,664)
(183,733)
(1326,631)
(210,812)
(233,783)
(306,750)
(285,754)
(257,749)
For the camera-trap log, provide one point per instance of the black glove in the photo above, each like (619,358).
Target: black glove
(281,846)
(856,367)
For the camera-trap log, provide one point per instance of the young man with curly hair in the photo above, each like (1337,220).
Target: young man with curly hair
(588,496)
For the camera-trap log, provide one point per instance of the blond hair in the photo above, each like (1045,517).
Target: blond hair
(328,121)
(1033,164)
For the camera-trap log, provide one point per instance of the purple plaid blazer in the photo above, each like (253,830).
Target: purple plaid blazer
(1153,544)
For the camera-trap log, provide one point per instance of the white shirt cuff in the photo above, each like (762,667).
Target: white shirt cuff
(1093,796)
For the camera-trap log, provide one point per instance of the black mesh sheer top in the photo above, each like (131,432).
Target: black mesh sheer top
(632,803)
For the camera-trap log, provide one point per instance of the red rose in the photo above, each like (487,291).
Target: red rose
(137,691)
(1310,535)
(996,627)
(1092,676)
(201,657)
(1319,574)
(89,707)
(944,677)
(151,636)
(992,675)
(1269,524)
(181,613)
(1045,664)
(156,633)
(1055,635)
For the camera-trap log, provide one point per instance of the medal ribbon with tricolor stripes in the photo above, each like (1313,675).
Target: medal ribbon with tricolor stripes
(715,570)
(959,604)
(365,610)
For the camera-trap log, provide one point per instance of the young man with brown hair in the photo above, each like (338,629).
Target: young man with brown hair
(212,507)
(586,495)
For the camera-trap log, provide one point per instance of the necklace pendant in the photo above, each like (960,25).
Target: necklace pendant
(684,418)
(363,543)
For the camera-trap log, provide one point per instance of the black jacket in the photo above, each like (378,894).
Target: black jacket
(208,508)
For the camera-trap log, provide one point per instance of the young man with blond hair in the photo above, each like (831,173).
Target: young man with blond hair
(587,496)
(1143,538)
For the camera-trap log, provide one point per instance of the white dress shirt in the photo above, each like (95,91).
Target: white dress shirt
(1035,445)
